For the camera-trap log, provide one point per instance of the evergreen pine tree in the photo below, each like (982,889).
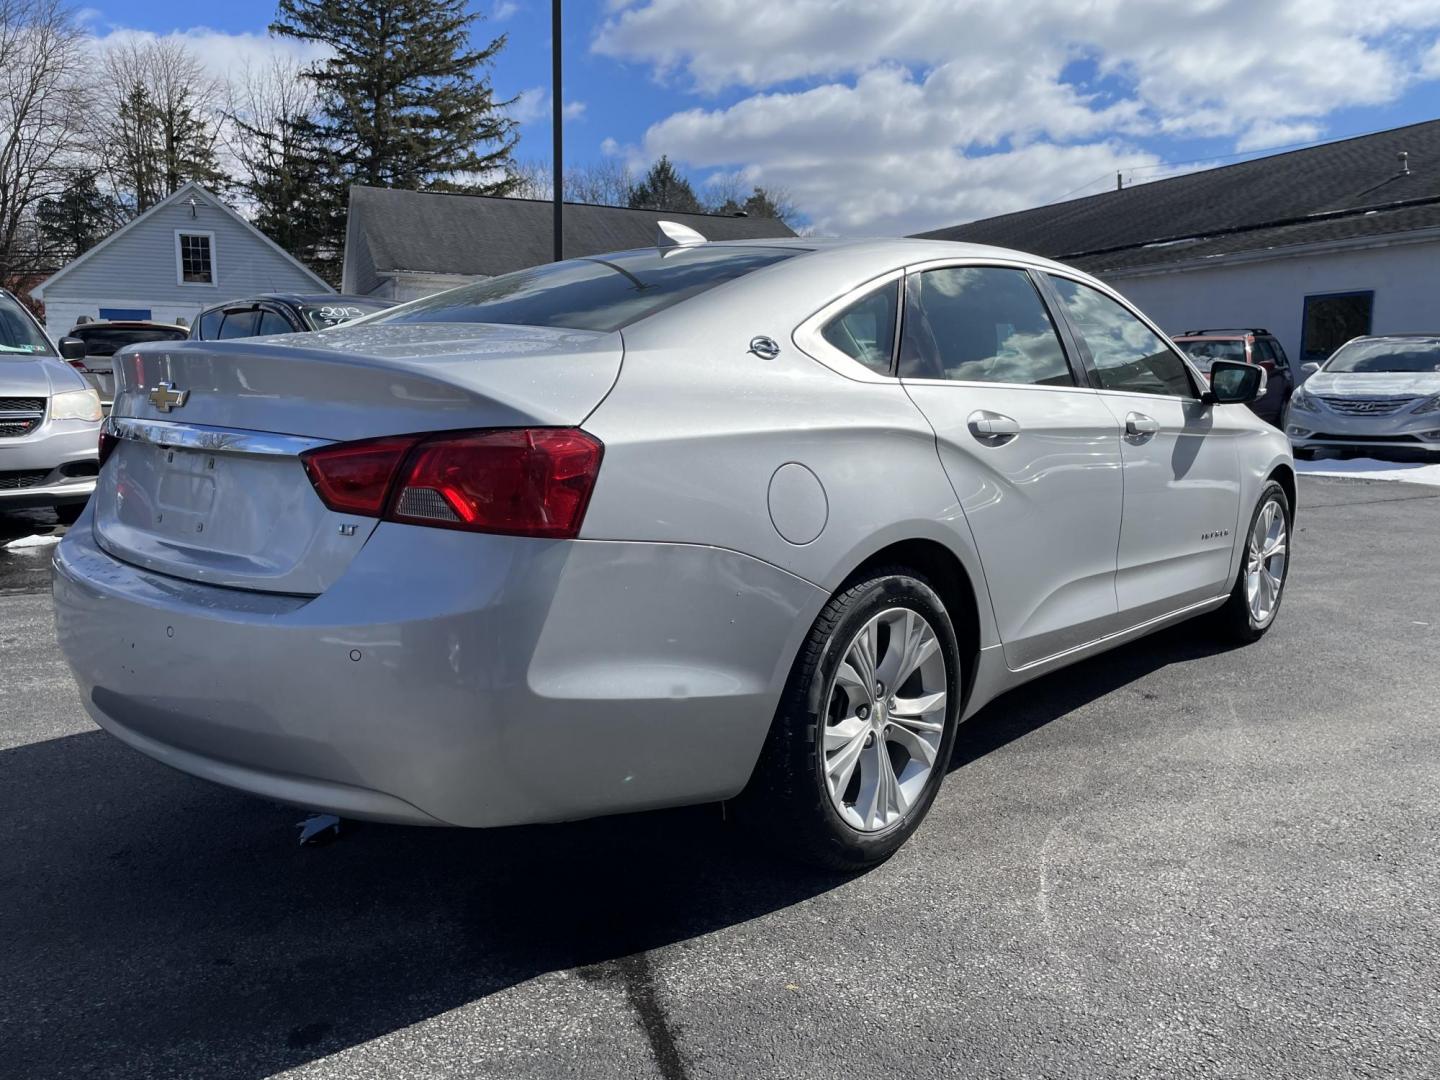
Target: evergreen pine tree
(663,188)
(78,218)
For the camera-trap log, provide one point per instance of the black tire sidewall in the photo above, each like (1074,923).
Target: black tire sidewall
(879,594)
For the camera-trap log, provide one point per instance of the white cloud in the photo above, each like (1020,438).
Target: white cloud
(503,10)
(895,115)
(223,55)
(533,106)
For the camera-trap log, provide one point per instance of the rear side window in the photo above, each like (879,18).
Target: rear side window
(209,325)
(1128,355)
(602,293)
(979,324)
(865,331)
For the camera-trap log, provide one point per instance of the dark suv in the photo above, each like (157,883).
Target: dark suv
(1249,346)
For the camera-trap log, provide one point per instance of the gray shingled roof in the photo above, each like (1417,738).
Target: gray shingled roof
(1342,190)
(476,234)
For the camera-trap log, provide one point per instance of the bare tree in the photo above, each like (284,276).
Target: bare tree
(42,111)
(158,120)
(602,183)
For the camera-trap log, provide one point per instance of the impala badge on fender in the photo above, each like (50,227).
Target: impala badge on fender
(165,397)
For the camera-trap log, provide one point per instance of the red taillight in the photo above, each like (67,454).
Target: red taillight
(523,482)
(354,478)
(107,444)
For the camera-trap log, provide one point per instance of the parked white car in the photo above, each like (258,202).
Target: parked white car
(696,522)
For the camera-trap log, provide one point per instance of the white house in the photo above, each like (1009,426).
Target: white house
(1317,245)
(186,253)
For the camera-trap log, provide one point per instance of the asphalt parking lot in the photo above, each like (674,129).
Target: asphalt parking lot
(1174,860)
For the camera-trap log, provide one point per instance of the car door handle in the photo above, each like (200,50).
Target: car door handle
(1138,424)
(992,428)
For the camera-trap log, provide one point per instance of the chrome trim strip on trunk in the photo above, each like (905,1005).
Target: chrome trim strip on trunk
(169,433)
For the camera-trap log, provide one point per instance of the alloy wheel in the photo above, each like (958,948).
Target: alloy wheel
(885,719)
(1266,557)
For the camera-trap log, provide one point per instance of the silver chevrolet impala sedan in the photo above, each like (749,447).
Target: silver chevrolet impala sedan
(758,521)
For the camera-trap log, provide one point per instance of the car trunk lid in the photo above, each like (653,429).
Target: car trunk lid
(206,482)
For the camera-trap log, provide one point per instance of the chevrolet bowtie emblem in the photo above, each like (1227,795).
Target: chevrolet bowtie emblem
(165,397)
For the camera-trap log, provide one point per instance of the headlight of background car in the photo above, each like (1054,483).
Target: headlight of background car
(1433,405)
(1302,401)
(75,405)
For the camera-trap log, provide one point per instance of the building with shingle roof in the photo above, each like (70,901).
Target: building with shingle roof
(1317,245)
(404,244)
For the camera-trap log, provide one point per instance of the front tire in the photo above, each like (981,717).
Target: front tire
(862,739)
(1260,586)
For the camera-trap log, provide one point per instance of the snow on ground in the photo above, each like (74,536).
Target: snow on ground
(26,542)
(1413,472)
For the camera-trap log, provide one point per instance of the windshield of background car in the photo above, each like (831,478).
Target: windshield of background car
(19,336)
(108,340)
(1205,353)
(322,316)
(1372,356)
(601,293)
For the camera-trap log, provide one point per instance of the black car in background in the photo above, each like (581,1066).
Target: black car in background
(103,338)
(1246,346)
(281,313)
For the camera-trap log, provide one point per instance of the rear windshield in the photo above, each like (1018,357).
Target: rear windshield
(1409,356)
(19,336)
(1205,353)
(320,316)
(601,293)
(108,340)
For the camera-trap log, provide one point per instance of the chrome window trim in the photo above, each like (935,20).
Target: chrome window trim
(808,339)
(169,433)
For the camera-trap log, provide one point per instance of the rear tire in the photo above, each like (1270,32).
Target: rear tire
(1264,570)
(894,740)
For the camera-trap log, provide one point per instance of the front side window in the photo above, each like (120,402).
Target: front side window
(272,322)
(239,324)
(601,293)
(210,325)
(1128,355)
(865,331)
(1205,353)
(1332,320)
(19,336)
(197,264)
(979,324)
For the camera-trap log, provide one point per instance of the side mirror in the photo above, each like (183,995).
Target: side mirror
(72,348)
(1310,367)
(1234,383)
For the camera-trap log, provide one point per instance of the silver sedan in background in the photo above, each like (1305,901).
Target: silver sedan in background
(760,521)
(49,420)
(1378,394)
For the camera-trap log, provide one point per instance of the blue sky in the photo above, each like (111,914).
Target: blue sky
(885,116)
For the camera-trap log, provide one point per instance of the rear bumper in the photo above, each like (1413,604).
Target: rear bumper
(447,678)
(60,448)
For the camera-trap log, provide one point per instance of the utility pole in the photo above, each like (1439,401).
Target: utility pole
(557,120)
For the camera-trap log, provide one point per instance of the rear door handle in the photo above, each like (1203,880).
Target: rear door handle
(992,428)
(1138,424)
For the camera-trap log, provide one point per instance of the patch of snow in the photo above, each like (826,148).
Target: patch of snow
(1411,472)
(26,542)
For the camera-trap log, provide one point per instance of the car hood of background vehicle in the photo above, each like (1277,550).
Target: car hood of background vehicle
(36,376)
(1373,383)
(357,381)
